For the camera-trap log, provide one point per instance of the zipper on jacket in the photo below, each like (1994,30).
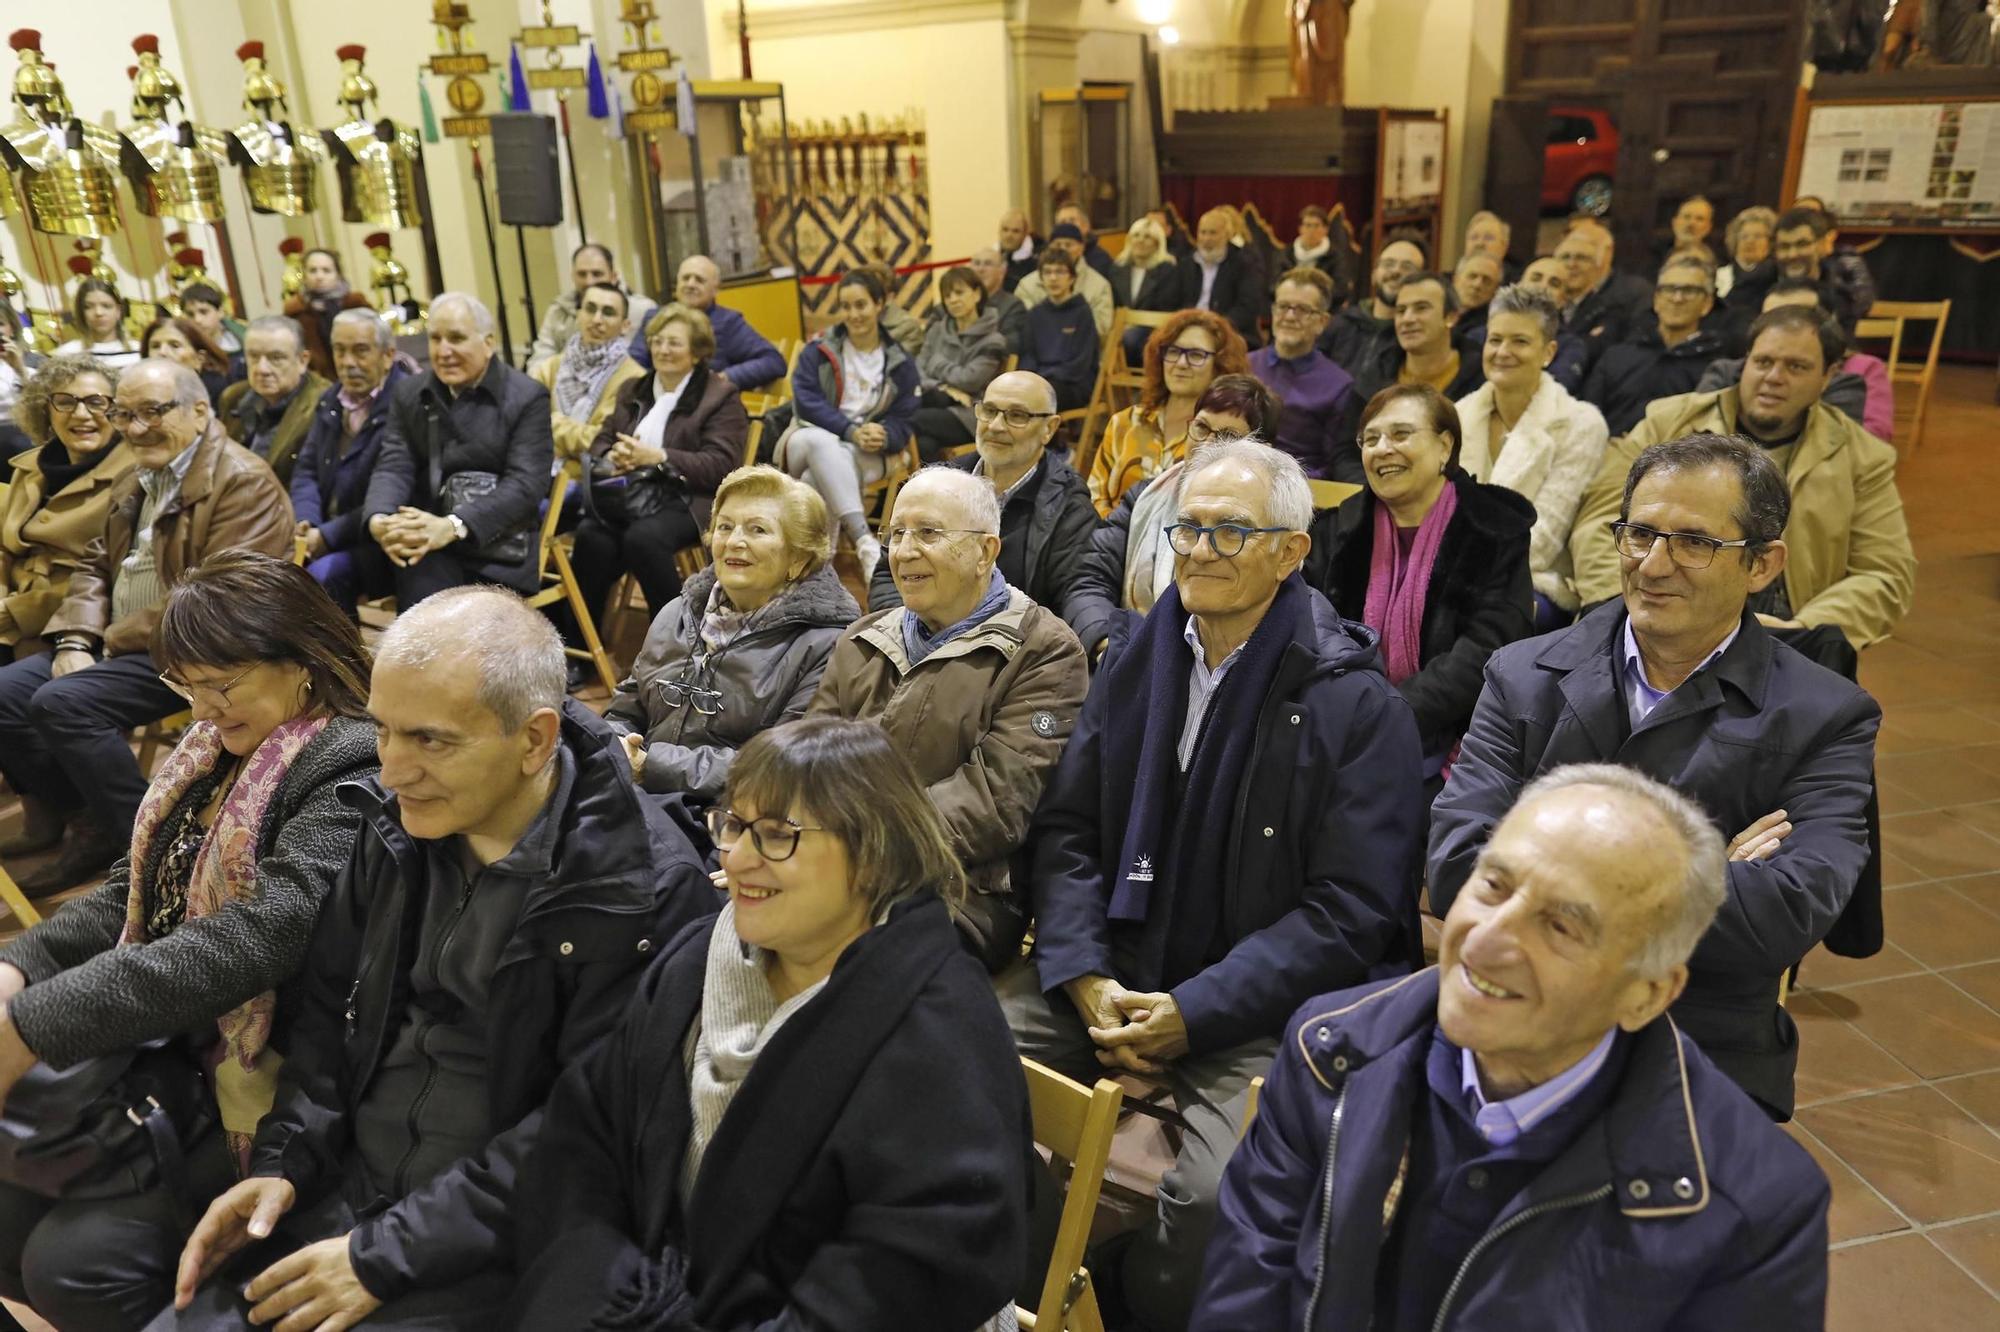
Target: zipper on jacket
(1512,1223)
(424,1029)
(353,1014)
(1326,1202)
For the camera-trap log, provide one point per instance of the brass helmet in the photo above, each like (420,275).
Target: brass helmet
(294,251)
(153,86)
(91,251)
(261,89)
(357,90)
(36,87)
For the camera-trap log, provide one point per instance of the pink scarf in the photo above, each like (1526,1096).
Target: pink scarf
(225,871)
(1395,603)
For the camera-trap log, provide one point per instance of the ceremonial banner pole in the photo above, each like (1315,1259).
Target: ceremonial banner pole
(562,80)
(652,115)
(493,256)
(461,67)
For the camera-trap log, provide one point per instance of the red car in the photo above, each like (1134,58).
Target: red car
(1580,160)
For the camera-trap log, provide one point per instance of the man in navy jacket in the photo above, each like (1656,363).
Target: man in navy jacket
(1231,827)
(1520,1137)
(330,475)
(743,355)
(1683,683)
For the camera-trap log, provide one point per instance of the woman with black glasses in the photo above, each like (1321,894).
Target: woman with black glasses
(812,1113)
(743,646)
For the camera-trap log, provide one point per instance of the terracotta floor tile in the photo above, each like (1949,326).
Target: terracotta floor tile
(1982,890)
(1900,873)
(1904,1282)
(1837,1060)
(1940,927)
(1937,845)
(1895,799)
(1823,970)
(1938,777)
(1982,815)
(1978,1096)
(1982,982)
(1925,1023)
(1976,1245)
(1928,1157)
(1857,1210)
(1933,726)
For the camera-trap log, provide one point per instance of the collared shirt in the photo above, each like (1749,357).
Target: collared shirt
(1208,272)
(1501,1122)
(1316,425)
(1006,496)
(1640,696)
(1202,684)
(355,410)
(137,586)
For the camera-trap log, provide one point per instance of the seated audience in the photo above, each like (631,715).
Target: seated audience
(1690,230)
(1799,244)
(991,270)
(975,684)
(1489,234)
(854,394)
(1663,359)
(324,295)
(1434,561)
(331,472)
(1018,246)
(1183,357)
(962,352)
(98,312)
(1091,285)
(1317,426)
(1061,342)
(1045,516)
(590,265)
(1681,681)
(182,340)
(1572,357)
(465,463)
(1604,305)
(1750,270)
(1532,1063)
(1092,254)
(1843,261)
(1358,327)
(1233,825)
(1525,432)
(270,411)
(583,379)
(1146,277)
(1860,384)
(1422,351)
(205,307)
(742,355)
(1222,276)
(55,505)
(808,1119)
(1128,563)
(672,438)
(1315,247)
(1474,279)
(507,888)
(197,925)
(898,325)
(742,648)
(64,719)
(1848,561)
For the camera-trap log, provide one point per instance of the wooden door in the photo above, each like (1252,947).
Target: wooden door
(1704,91)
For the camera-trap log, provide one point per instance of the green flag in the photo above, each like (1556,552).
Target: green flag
(430,117)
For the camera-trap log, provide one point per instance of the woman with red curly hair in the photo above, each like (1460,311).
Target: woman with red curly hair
(1183,357)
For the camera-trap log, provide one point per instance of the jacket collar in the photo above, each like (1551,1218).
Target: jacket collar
(1647,1145)
(1004,633)
(488,383)
(819,600)
(1587,656)
(114,467)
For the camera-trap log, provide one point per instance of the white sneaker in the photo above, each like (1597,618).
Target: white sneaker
(868,554)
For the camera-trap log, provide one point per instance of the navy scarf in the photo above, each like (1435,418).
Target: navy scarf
(1169,842)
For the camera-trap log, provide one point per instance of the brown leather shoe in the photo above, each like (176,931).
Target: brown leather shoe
(42,827)
(85,856)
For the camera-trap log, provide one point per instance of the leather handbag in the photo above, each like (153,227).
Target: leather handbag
(461,488)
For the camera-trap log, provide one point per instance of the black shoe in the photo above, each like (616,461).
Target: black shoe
(42,827)
(580,675)
(85,856)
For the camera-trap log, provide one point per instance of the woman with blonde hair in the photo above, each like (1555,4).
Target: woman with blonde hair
(743,647)
(1182,358)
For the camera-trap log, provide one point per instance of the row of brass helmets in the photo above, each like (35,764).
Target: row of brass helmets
(68,167)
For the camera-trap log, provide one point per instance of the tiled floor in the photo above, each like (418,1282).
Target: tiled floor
(1899,1066)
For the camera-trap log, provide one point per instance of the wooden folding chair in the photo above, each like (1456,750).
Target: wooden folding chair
(759,400)
(1250,1107)
(1075,1123)
(1938,312)
(559,582)
(165,731)
(899,467)
(1332,494)
(17,901)
(1114,376)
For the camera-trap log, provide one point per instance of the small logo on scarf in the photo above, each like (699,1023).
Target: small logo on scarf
(1044,723)
(1142,870)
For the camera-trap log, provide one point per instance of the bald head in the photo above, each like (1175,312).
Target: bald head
(697,282)
(967,500)
(1013,230)
(513,650)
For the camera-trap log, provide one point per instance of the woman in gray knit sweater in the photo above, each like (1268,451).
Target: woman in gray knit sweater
(237,842)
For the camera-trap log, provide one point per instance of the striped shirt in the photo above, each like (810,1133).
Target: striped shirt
(138,586)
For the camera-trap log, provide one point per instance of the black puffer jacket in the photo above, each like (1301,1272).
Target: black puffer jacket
(622,881)
(1478,598)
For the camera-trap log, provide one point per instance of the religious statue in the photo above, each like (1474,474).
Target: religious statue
(1319,50)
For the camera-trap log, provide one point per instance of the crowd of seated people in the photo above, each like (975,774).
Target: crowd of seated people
(470,1007)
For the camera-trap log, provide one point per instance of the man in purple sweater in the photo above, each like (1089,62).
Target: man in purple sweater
(1321,403)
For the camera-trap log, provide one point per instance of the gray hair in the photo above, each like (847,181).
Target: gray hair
(982,505)
(518,653)
(278,324)
(1488,215)
(1290,502)
(1766,502)
(1536,304)
(375,323)
(482,317)
(188,388)
(1705,879)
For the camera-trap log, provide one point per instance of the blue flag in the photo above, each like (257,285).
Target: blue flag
(600,105)
(517,82)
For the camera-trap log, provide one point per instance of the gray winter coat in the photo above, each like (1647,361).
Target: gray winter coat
(965,361)
(766,677)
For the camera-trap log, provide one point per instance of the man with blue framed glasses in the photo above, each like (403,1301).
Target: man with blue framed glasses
(1234,824)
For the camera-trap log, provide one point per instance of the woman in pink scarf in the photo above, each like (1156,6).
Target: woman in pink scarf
(237,842)
(1432,560)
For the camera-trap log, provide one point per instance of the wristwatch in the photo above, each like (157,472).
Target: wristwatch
(458,527)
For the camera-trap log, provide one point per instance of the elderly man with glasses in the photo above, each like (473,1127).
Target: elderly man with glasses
(1680,680)
(64,719)
(977,685)
(1233,827)
(1045,513)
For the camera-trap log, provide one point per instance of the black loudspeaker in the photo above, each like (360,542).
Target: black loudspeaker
(525,173)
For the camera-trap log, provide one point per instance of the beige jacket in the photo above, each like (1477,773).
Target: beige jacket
(1848,558)
(573,438)
(43,537)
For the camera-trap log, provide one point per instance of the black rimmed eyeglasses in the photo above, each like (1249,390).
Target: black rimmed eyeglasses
(1689,550)
(775,839)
